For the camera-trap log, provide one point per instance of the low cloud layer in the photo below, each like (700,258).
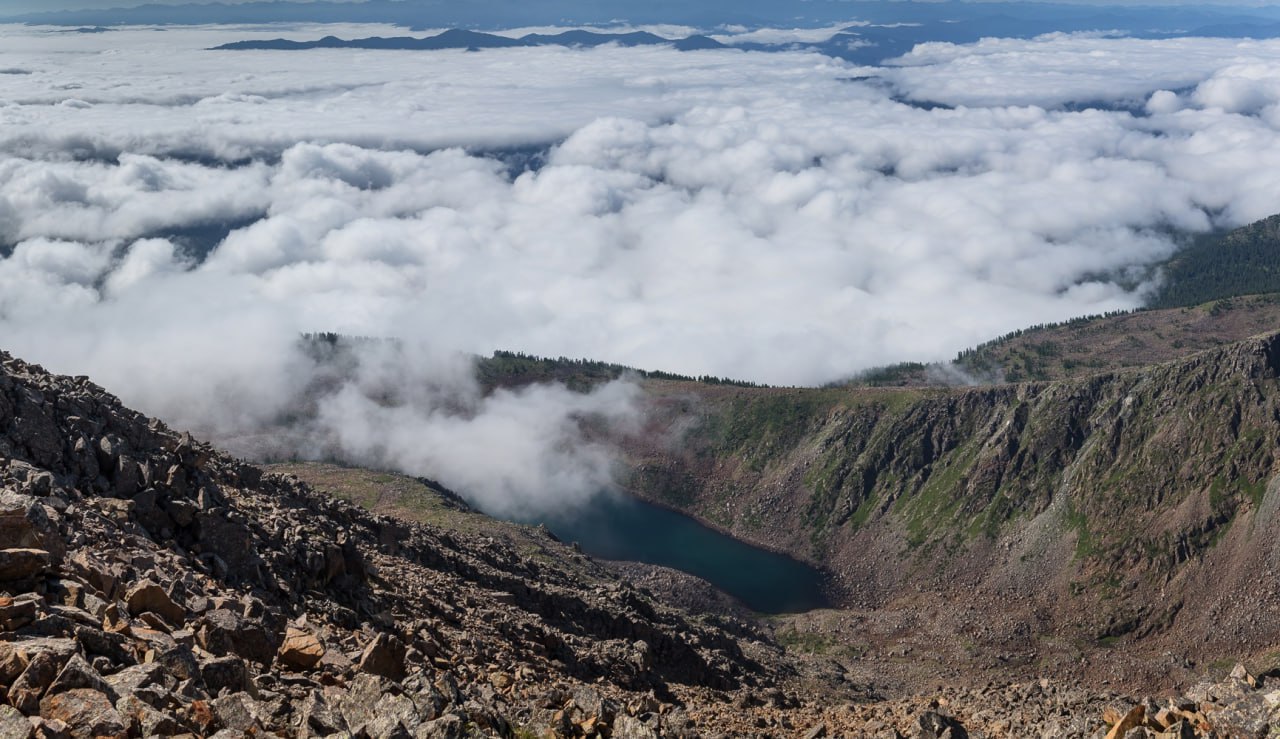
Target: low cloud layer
(1062,69)
(770,217)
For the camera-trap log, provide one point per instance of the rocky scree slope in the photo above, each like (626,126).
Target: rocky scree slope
(1036,522)
(151,586)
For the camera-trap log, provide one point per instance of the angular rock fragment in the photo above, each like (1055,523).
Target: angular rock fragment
(99,575)
(13,725)
(238,712)
(88,713)
(224,673)
(628,727)
(446,727)
(357,706)
(14,614)
(933,725)
(78,673)
(301,649)
(319,716)
(384,656)
(39,674)
(25,524)
(223,631)
(12,663)
(142,719)
(132,679)
(149,596)
(1130,720)
(179,661)
(1241,673)
(116,647)
(23,564)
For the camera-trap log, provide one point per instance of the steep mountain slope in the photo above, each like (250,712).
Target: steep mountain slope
(154,586)
(150,586)
(1043,521)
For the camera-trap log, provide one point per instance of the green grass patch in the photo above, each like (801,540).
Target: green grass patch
(764,426)
(1087,544)
(933,507)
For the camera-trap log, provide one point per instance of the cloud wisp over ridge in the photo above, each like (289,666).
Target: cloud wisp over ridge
(781,218)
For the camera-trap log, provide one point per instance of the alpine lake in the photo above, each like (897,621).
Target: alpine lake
(617,527)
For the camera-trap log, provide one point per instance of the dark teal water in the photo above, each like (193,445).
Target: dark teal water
(622,528)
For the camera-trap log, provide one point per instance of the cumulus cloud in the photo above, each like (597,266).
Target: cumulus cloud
(1246,88)
(519,453)
(665,30)
(782,36)
(1163,101)
(133,196)
(1063,68)
(772,217)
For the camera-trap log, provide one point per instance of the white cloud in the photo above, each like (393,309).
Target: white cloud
(665,30)
(782,36)
(1247,88)
(156,91)
(519,453)
(134,196)
(1163,102)
(1059,68)
(146,260)
(749,215)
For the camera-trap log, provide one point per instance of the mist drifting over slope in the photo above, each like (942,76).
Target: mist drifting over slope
(775,217)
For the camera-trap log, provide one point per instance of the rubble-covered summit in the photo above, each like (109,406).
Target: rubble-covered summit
(154,586)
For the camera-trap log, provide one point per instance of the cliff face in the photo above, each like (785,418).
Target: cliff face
(1133,504)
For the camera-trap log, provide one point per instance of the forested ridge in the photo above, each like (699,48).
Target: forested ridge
(1245,261)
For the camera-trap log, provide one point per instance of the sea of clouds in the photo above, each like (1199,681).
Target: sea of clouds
(777,217)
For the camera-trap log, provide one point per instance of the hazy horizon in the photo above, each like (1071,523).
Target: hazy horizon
(16,7)
(24,6)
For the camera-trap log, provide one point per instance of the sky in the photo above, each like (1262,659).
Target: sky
(36,6)
(8,7)
(785,217)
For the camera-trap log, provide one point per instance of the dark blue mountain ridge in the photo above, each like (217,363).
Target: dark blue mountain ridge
(458,38)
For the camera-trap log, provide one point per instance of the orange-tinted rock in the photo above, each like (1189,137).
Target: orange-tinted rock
(1131,720)
(26,690)
(88,713)
(148,596)
(301,649)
